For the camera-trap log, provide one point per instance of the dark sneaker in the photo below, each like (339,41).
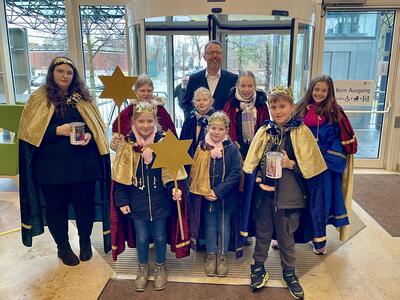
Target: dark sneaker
(291,281)
(258,277)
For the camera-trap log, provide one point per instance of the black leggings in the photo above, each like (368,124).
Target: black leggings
(58,197)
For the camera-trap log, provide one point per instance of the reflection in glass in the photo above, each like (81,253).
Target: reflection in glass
(357,47)
(267,56)
(104,45)
(37,33)
(156,51)
(188,53)
(303,60)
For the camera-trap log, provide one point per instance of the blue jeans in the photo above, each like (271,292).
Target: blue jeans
(157,230)
(215,232)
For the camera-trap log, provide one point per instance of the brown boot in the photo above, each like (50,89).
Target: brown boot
(222,266)
(211,264)
(141,277)
(160,277)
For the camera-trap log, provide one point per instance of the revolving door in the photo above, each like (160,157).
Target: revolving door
(276,49)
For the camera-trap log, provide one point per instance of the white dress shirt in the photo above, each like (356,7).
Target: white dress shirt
(212,81)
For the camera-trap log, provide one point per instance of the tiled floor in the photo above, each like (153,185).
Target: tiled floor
(366,267)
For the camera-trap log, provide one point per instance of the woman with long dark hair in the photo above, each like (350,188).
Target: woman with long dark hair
(61,167)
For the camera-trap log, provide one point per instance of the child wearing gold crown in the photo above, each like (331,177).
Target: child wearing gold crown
(143,199)
(214,181)
(282,190)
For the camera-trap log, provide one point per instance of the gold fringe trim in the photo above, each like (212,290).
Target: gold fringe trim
(26,226)
(349,141)
(338,217)
(337,154)
(243,233)
(106,232)
(320,239)
(183,244)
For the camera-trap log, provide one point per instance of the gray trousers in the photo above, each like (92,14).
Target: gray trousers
(285,222)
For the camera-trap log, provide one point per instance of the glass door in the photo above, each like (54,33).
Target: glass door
(276,49)
(357,48)
(174,50)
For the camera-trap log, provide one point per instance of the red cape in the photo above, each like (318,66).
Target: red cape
(163,117)
(123,230)
(231,108)
(347,135)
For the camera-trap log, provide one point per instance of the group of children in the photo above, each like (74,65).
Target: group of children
(226,189)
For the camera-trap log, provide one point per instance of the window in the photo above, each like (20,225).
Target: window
(37,33)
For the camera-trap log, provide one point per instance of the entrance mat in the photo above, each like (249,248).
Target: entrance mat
(379,196)
(117,289)
(191,269)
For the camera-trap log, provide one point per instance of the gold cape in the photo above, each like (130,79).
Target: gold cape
(126,163)
(306,150)
(347,188)
(199,182)
(37,114)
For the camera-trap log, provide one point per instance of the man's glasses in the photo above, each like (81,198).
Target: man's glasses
(214,53)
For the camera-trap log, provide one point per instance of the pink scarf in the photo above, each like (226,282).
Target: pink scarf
(146,154)
(312,119)
(218,148)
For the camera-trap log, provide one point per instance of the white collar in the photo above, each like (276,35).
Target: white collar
(218,73)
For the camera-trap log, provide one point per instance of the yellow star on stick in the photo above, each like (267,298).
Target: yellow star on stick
(172,154)
(119,88)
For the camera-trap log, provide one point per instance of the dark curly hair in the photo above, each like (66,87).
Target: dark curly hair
(54,94)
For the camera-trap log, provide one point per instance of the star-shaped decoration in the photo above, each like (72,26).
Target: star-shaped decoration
(118,87)
(171,153)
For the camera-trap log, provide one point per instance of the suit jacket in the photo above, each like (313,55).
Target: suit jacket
(225,83)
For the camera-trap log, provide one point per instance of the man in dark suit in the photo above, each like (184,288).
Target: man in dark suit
(217,80)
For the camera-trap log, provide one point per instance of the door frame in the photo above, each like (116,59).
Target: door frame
(389,141)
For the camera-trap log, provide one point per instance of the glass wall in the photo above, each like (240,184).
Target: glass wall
(188,59)
(37,33)
(357,47)
(103,32)
(185,58)
(266,55)
(303,60)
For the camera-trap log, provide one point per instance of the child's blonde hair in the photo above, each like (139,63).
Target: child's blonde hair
(202,90)
(220,118)
(142,107)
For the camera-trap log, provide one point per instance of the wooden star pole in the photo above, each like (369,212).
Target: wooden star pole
(172,154)
(119,88)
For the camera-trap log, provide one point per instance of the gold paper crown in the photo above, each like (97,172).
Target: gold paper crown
(219,118)
(281,89)
(146,107)
(62,60)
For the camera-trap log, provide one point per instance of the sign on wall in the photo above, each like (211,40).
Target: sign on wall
(354,92)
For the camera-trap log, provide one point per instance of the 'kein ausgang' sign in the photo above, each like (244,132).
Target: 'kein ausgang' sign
(354,92)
